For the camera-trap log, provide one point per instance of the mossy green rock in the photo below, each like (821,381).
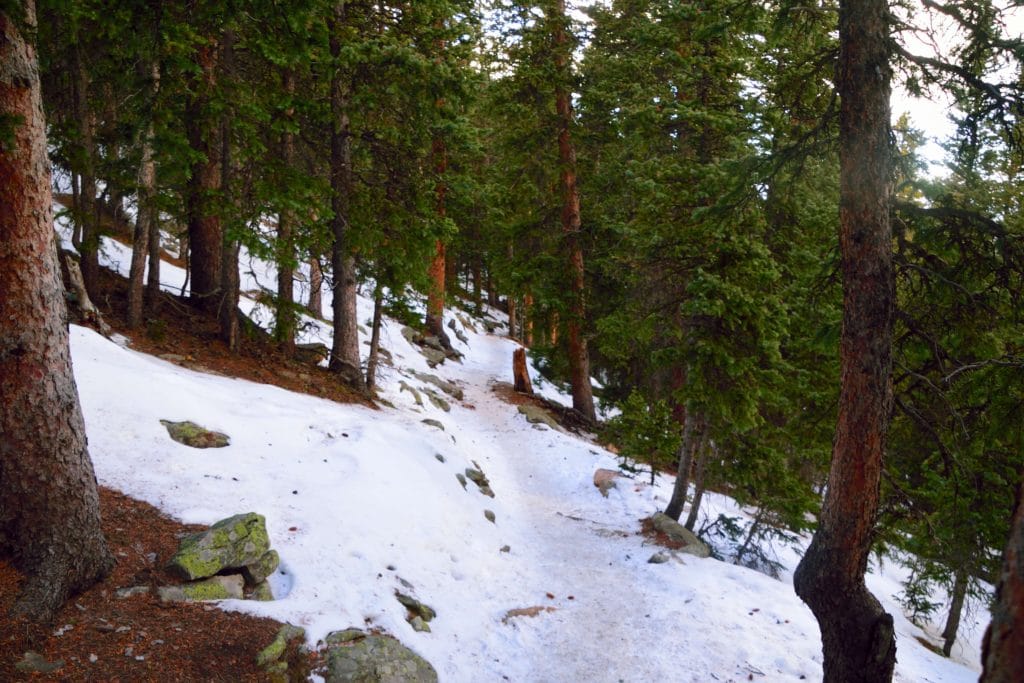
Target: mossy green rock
(537,415)
(416,607)
(262,592)
(233,542)
(196,436)
(213,588)
(258,571)
(680,534)
(272,653)
(376,659)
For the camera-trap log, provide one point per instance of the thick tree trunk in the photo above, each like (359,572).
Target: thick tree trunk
(960,582)
(692,434)
(374,358)
(145,216)
(528,320)
(88,216)
(49,508)
(316,283)
(436,272)
(286,314)
(513,319)
(1002,654)
(579,358)
(230,284)
(205,234)
(701,457)
(857,634)
(520,373)
(345,350)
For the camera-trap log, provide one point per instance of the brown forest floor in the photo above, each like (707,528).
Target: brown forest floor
(139,638)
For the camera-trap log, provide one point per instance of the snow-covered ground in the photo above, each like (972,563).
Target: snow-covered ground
(361,503)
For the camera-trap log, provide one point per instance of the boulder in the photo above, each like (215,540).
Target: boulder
(438,401)
(433,356)
(313,352)
(450,388)
(365,658)
(431,422)
(537,415)
(213,588)
(660,557)
(273,652)
(237,541)
(191,434)
(606,480)
(680,534)
(258,571)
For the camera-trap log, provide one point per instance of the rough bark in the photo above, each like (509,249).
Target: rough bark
(205,233)
(528,319)
(345,349)
(49,508)
(1002,653)
(692,429)
(956,607)
(88,215)
(145,216)
(374,358)
(579,358)
(857,634)
(513,319)
(698,483)
(436,272)
(230,282)
(520,374)
(286,314)
(316,283)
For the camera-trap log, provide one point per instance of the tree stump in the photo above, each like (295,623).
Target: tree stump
(520,375)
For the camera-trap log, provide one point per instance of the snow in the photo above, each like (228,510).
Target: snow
(359,506)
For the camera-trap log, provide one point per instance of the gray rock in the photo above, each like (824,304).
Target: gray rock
(415,393)
(411,335)
(213,588)
(132,591)
(481,481)
(433,423)
(536,415)
(416,607)
(195,436)
(438,401)
(432,342)
(506,549)
(680,534)
(376,659)
(419,625)
(347,636)
(313,352)
(262,592)
(449,388)
(440,458)
(272,653)
(33,662)
(258,571)
(433,356)
(489,514)
(461,478)
(233,542)
(659,557)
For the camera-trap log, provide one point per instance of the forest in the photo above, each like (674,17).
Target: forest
(702,219)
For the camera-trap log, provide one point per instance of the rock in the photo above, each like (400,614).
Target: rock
(478,478)
(440,458)
(233,542)
(606,480)
(258,571)
(347,636)
(466,321)
(214,588)
(372,659)
(402,386)
(490,326)
(433,423)
(191,434)
(432,342)
(132,591)
(433,356)
(489,514)
(272,653)
(537,415)
(173,357)
(313,352)
(419,625)
(506,549)
(262,592)
(659,557)
(439,402)
(416,607)
(461,478)
(680,534)
(449,388)
(411,335)
(33,662)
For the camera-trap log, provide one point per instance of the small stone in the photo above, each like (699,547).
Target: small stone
(93,658)
(659,558)
(122,629)
(131,591)
(489,514)
(440,458)
(190,434)
(419,625)
(506,548)
(433,423)
(461,478)
(416,607)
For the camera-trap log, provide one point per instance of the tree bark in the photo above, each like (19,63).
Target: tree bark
(960,582)
(286,315)
(88,216)
(345,349)
(1002,654)
(49,507)
(579,358)
(701,457)
(692,430)
(316,283)
(230,282)
(146,214)
(373,359)
(205,233)
(857,634)
(436,272)
(520,373)
(528,316)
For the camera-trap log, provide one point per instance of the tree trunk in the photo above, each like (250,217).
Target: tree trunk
(1002,653)
(146,214)
(230,284)
(956,607)
(436,272)
(579,358)
(528,320)
(513,320)
(316,283)
(286,315)
(698,482)
(49,507)
(692,431)
(345,349)
(205,234)
(857,634)
(88,216)
(373,359)
(520,373)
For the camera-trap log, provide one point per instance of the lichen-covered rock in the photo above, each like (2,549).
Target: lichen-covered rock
(262,592)
(481,481)
(416,607)
(438,402)
(433,356)
(537,415)
(431,422)
(415,394)
(258,571)
(489,515)
(272,653)
(191,434)
(233,542)
(376,659)
(214,588)
(419,625)
(449,388)
(680,534)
